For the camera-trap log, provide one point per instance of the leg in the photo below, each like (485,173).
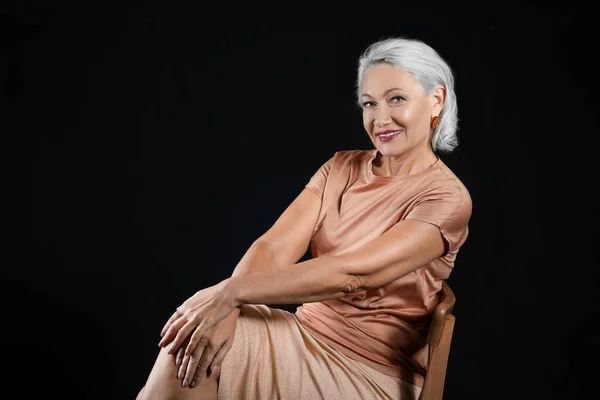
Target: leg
(162,383)
(140,395)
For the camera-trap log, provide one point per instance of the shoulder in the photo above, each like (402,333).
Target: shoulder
(441,199)
(340,163)
(450,179)
(445,181)
(351,157)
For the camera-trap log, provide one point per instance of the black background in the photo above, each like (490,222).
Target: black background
(148,145)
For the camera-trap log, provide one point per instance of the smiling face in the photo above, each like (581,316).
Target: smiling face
(397,113)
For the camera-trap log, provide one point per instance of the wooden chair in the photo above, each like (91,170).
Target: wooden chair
(439,339)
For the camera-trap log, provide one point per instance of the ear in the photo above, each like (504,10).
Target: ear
(437,97)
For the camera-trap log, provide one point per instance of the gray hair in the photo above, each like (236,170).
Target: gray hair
(429,69)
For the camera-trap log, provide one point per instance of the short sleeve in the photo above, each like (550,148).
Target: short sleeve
(448,208)
(319,179)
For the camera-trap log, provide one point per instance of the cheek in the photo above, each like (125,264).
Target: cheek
(402,114)
(368,121)
(409,117)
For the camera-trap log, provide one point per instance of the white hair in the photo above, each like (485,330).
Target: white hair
(429,69)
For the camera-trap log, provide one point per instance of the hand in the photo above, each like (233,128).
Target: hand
(209,353)
(196,315)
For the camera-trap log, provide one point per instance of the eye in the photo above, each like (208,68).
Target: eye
(397,99)
(367,104)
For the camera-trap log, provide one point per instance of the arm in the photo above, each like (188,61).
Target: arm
(405,247)
(286,241)
(283,244)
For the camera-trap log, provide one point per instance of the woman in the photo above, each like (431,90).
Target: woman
(384,226)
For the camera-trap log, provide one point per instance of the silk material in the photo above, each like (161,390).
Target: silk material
(274,357)
(385,328)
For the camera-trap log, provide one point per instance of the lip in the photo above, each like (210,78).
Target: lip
(396,133)
(388,131)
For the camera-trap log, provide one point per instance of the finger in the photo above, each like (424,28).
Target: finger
(210,357)
(215,366)
(190,363)
(179,358)
(168,326)
(199,330)
(215,372)
(183,367)
(194,341)
(180,361)
(172,319)
(214,375)
(181,336)
(172,331)
(185,363)
(203,355)
(191,368)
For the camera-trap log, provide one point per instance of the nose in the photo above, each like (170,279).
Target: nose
(382,116)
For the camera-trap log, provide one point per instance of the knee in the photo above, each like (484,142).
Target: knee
(140,394)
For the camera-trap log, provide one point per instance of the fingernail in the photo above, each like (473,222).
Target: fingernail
(185,382)
(180,373)
(193,384)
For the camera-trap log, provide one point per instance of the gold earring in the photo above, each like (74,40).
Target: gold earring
(435,121)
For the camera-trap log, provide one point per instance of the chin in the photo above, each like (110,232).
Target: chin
(389,151)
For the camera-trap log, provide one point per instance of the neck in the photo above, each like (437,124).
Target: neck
(403,165)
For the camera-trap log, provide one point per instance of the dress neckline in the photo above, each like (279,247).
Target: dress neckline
(379,178)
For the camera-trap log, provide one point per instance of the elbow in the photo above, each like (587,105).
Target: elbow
(353,283)
(349,280)
(351,277)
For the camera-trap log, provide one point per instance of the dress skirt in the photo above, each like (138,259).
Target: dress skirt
(274,357)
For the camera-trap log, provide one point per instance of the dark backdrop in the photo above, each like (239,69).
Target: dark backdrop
(149,145)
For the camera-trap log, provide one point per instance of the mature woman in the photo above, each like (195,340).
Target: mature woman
(384,226)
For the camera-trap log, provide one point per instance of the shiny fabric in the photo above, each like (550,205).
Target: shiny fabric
(274,357)
(385,328)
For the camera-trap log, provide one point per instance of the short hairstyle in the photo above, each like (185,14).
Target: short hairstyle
(429,69)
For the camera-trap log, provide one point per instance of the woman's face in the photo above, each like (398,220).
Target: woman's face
(396,112)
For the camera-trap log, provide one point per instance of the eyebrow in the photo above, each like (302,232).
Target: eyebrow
(385,93)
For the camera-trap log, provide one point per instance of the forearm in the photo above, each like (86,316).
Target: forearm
(309,281)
